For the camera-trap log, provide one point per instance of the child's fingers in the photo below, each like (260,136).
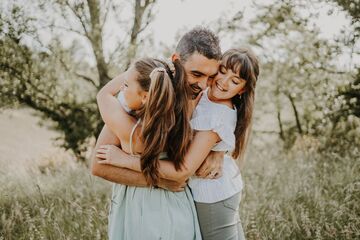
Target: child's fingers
(101,155)
(103,162)
(101,151)
(104,147)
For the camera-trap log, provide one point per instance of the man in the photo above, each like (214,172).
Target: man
(199,52)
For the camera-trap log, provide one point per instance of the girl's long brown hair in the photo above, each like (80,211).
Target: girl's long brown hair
(165,127)
(244,61)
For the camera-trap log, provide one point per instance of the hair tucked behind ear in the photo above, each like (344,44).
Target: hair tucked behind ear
(245,61)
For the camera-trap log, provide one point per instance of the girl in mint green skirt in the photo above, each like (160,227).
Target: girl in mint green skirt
(160,125)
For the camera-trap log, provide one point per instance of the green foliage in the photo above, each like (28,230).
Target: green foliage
(35,79)
(298,70)
(301,76)
(60,80)
(301,84)
(352,7)
(350,93)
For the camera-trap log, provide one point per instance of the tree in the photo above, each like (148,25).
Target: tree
(59,79)
(350,92)
(299,76)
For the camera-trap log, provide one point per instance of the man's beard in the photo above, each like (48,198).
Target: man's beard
(195,90)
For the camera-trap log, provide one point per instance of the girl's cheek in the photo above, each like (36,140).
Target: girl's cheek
(125,94)
(232,87)
(127,97)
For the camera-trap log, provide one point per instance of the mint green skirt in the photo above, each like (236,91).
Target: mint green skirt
(138,213)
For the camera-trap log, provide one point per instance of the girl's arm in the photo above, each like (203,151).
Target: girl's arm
(112,113)
(200,147)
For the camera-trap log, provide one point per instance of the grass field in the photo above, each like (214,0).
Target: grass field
(304,193)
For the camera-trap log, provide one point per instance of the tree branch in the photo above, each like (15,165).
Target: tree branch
(86,78)
(297,119)
(119,47)
(65,29)
(79,17)
(107,10)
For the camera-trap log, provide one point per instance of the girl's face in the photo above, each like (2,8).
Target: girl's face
(135,97)
(226,84)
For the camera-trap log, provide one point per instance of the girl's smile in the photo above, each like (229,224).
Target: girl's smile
(226,85)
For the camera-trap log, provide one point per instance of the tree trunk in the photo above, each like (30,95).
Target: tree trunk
(282,136)
(298,125)
(136,28)
(96,42)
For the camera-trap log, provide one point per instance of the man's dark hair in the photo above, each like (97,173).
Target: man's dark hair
(200,40)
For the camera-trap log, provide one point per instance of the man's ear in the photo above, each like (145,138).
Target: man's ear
(175,56)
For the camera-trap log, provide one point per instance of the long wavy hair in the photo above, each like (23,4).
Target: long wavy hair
(245,62)
(164,116)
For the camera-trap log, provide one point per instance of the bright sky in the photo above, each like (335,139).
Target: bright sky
(175,15)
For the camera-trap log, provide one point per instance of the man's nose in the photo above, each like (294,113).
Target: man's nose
(203,84)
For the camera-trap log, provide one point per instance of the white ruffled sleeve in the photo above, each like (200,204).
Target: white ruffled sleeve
(226,133)
(219,122)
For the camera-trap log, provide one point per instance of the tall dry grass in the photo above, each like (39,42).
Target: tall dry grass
(305,193)
(66,203)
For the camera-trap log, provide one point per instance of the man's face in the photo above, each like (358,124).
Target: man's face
(200,71)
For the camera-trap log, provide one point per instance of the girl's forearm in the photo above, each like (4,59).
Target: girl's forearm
(198,151)
(111,110)
(166,168)
(105,96)
(114,86)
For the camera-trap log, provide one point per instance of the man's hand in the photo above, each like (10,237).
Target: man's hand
(211,168)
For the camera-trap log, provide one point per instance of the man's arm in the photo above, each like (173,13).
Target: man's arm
(199,149)
(111,173)
(122,175)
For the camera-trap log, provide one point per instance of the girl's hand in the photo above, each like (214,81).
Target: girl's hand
(111,155)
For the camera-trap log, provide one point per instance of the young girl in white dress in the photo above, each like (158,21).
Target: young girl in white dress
(222,121)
